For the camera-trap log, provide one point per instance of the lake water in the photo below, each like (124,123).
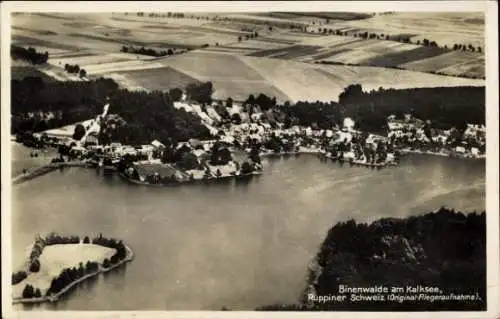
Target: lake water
(21,158)
(239,245)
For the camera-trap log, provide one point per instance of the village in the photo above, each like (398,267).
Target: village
(237,146)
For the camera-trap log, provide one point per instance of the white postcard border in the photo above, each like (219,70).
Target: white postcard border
(492,191)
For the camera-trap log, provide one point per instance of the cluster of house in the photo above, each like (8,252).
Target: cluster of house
(254,126)
(409,127)
(411,130)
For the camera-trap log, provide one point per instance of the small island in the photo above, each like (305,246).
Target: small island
(57,263)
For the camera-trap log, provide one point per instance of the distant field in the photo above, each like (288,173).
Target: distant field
(449,62)
(158,79)
(373,78)
(272,63)
(239,76)
(214,66)
(240,90)
(443,27)
(398,58)
(86,60)
(289,52)
(107,32)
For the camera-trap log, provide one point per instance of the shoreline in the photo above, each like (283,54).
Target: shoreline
(200,180)
(405,151)
(53,298)
(42,170)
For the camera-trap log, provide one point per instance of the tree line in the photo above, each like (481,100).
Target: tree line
(75,69)
(69,275)
(248,36)
(30,54)
(158,15)
(146,51)
(401,38)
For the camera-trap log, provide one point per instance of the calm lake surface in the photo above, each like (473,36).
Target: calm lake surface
(234,244)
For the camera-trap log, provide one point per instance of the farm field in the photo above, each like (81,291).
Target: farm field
(238,76)
(446,28)
(372,78)
(154,79)
(280,62)
(102,34)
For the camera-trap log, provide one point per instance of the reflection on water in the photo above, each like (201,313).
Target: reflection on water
(236,243)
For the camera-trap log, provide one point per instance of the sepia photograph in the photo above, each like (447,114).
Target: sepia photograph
(224,157)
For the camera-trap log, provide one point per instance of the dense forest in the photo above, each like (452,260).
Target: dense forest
(445,107)
(29,54)
(444,249)
(37,106)
(150,116)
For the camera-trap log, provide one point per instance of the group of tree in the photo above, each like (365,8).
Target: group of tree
(465,47)
(279,144)
(248,36)
(161,15)
(56,239)
(31,292)
(246,168)
(75,69)
(120,253)
(200,92)
(35,266)
(30,55)
(429,43)
(79,132)
(19,276)
(219,154)
(175,94)
(146,51)
(69,275)
(263,101)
